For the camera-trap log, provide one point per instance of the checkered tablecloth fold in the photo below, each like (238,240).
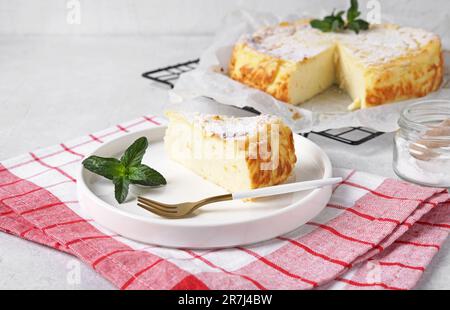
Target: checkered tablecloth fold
(375,232)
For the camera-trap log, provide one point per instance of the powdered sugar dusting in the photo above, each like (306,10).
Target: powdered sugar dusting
(299,41)
(384,43)
(229,127)
(294,42)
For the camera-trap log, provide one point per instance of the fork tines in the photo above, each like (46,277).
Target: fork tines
(156,207)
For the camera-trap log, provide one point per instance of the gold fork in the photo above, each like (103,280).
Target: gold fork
(181,210)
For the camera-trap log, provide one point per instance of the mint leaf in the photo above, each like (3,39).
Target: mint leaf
(106,167)
(121,185)
(336,23)
(333,22)
(144,175)
(351,15)
(340,14)
(355,27)
(363,25)
(322,25)
(128,170)
(353,12)
(134,154)
(358,25)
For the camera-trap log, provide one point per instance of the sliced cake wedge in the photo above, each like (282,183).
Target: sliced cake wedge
(235,153)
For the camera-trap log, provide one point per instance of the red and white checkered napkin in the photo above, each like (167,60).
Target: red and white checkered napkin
(375,233)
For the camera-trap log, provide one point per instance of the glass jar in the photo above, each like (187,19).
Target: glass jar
(422,144)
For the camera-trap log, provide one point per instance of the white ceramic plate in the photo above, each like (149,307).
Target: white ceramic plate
(223,224)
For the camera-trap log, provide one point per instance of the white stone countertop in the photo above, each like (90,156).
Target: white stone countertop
(54,88)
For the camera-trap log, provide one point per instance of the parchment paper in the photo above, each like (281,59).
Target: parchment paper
(328,110)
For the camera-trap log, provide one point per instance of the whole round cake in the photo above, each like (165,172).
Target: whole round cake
(294,62)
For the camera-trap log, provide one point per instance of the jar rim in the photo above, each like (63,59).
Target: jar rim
(437,106)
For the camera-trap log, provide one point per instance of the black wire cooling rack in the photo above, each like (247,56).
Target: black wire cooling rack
(351,135)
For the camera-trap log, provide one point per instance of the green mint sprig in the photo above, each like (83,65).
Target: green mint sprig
(336,23)
(128,170)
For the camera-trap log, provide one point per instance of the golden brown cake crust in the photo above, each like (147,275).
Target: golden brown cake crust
(287,160)
(261,74)
(418,81)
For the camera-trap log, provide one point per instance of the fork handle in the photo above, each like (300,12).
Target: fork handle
(285,189)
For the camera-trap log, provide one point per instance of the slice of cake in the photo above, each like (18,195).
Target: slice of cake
(235,153)
(294,62)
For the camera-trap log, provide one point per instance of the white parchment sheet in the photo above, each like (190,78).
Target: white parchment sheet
(325,111)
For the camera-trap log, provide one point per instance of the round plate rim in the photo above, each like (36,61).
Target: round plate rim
(82,186)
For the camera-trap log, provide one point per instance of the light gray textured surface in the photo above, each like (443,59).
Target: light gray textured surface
(54,88)
(193,16)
